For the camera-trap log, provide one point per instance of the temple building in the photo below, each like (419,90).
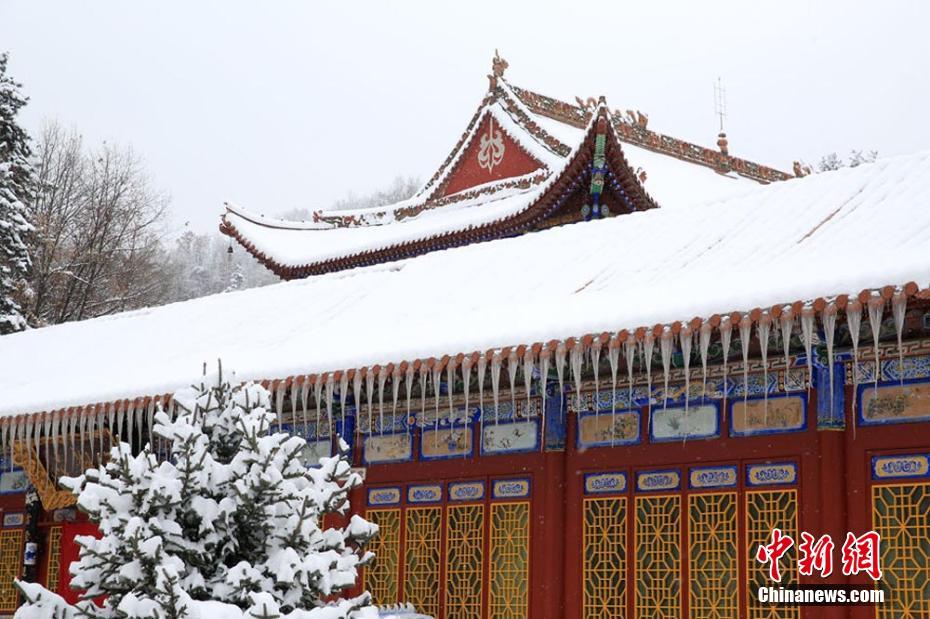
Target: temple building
(587,369)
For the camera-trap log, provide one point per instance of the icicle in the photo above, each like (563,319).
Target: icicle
(330,385)
(382,378)
(408,385)
(69,440)
(49,428)
(482,369)
(122,410)
(27,435)
(304,404)
(424,379)
(544,387)
(437,390)
(343,397)
(876,308)
(704,346)
(828,319)
(595,368)
(450,381)
(560,371)
(3,443)
(684,339)
(318,395)
(745,331)
(726,334)
(151,421)
(629,347)
(466,385)
(665,346)
(854,321)
(898,310)
(55,436)
(613,357)
(787,324)
(395,393)
(513,363)
(357,399)
(807,330)
(37,434)
(495,382)
(370,398)
(763,329)
(102,415)
(576,360)
(648,348)
(528,366)
(279,403)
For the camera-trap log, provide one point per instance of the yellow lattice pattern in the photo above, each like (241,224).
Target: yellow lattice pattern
(54,558)
(658,556)
(901,515)
(767,510)
(604,558)
(713,540)
(509,569)
(381,575)
(11,548)
(464,560)
(421,558)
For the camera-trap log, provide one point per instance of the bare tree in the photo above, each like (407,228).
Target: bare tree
(97,220)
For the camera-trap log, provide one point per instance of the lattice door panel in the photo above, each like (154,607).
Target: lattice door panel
(381,576)
(421,558)
(767,510)
(658,556)
(604,548)
(712,556)
(464,561)
(901,515)
(53,566)
(509,565)
(11,554)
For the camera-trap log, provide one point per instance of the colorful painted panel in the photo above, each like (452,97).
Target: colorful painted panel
(901,516)
(712,561)
(767,510)
(768,415)
(652,481)
(509,566)
(388,448)
(900,467)
(604,553)
(510,489)
(452,442)
(11,553)
(53,552)
(380,577)
(607,429)
(604,483)
(780,474)
(13,482)
(679,423)
(658,556)
(510,437)
(466,491)
(421,558)
(464,561)
(384,496)
(431,493)
(705,477)
(894,403)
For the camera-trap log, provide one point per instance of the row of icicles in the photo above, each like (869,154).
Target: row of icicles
(55,434)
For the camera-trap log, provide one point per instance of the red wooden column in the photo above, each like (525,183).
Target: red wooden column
(571,538)
(833,506)
(552,525)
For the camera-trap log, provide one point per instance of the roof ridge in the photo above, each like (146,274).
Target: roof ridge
(633,130)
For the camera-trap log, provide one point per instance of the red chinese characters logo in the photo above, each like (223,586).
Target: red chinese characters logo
(859,554)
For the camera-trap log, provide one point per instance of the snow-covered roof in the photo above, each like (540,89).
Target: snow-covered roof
(823,235)
(674,173)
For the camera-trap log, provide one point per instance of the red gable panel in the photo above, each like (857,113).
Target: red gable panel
(492,155)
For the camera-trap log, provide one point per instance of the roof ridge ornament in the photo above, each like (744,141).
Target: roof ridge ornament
(498,66)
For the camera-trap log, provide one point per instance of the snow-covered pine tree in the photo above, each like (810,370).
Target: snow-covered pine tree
(228,526)
(17,180)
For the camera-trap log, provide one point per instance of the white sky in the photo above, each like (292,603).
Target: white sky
(277,105)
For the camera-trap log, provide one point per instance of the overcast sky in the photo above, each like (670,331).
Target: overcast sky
(277,105)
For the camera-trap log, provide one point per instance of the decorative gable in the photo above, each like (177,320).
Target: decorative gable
(490,156)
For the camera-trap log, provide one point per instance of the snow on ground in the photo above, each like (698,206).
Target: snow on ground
(826,234)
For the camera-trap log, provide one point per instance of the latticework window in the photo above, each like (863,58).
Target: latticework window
(901,515)
(421,558)
(767,510)
(54,558)
(604,558)
(712,560)
(658,556)
(11,552)
(509,566)
(381,575)
(464,561)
